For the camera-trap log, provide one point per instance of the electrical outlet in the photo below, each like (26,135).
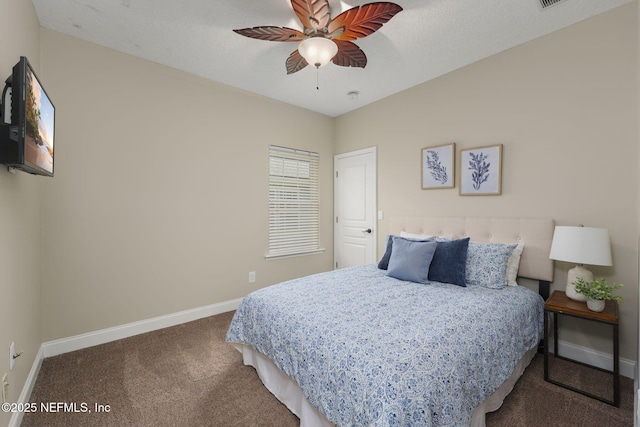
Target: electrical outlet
(12,352)
(252,277)
(5,388)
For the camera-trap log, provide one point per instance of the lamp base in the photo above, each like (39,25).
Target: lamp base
(574,274)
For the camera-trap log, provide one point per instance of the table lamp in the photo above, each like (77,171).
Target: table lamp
(581,245)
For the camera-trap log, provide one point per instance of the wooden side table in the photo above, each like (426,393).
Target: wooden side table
(559,303)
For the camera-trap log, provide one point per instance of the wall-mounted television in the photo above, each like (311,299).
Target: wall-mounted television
(26,140)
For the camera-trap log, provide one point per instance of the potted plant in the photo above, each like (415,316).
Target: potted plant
(597,292)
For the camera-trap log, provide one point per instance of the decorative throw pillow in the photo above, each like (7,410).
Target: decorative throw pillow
(514,264)
(449,262)
(487,264)
(410,260)
(383,264)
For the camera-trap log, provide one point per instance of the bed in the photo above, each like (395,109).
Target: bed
(370,346)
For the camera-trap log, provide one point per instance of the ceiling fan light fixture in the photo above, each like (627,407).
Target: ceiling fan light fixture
(325,38)
(318,51)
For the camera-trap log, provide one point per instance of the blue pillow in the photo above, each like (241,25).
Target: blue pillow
(410,260)
(383,264)
(487,264)
(384,261)
(449,262)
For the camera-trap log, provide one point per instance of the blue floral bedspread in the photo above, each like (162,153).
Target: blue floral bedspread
(370,350)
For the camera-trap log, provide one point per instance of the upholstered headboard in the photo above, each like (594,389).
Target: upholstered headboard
(536,233)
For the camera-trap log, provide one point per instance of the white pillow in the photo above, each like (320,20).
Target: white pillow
(415,236)
(513,264)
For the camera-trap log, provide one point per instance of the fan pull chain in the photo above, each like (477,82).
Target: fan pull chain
(317,73)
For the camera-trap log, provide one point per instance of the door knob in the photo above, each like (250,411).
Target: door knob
(368,230)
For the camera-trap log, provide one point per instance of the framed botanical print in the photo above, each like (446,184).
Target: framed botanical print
(438,165)
(481,171)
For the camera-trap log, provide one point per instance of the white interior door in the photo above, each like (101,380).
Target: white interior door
(355,207)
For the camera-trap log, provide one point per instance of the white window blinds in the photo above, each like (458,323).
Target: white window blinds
(294,208)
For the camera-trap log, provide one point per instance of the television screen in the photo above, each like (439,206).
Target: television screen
(39,122)
(27,141)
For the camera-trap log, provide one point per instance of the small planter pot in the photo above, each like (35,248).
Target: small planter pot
(596,305)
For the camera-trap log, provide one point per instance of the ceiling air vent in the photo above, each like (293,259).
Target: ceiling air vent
(547,3)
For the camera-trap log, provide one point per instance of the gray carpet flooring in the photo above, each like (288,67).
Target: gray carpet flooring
(187,375)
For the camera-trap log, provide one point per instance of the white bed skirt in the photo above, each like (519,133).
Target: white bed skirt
(288,392)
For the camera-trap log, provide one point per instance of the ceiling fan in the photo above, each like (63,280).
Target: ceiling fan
(325,39)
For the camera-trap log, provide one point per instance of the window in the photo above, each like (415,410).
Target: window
(294,208)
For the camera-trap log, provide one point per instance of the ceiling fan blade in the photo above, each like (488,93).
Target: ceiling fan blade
(360,21)
(349,55)
(313,14)
(271,33)
(295,62)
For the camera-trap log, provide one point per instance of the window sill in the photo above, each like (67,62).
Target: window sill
(292,255)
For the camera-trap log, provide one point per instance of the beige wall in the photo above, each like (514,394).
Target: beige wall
(20,219)
(637,383)
(564,106)
(159,201)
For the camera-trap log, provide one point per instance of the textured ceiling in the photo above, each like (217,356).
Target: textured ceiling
(427,39)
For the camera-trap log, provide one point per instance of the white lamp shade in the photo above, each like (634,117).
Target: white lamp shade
(318,51)
(581,245)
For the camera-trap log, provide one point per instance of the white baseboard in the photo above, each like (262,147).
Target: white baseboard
(65,345)
(593,357)
(25,394)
